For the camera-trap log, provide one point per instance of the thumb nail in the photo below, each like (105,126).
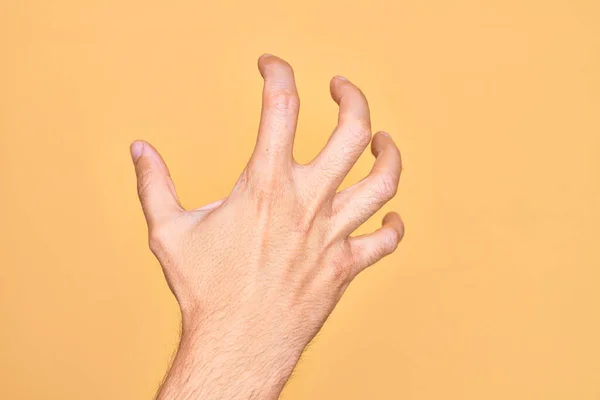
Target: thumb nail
(136,149)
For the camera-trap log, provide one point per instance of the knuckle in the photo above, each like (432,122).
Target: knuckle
(283,100)
(270,188)
(392,239)
(158,238)
(339,267)
(263,181)
(303,221)
(360,131)
(301,225)
(386,187)
(386,245)
(338,271)
(256,182)
(266,196)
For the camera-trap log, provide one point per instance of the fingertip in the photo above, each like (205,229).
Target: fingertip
(136,149)
(335,85)
(394,221)
(391,217)
(270,64)
(383,137)
(345,91)
(382,141)
(378,143)
(261,61)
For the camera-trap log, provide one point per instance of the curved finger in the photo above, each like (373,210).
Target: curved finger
(350,137)
(279,115)
(368,249)
(354,205)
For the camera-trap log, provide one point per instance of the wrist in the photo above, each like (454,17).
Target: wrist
(248,363)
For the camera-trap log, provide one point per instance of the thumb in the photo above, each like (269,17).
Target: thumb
(154,185)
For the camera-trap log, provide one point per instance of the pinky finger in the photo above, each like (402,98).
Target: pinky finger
(370,248)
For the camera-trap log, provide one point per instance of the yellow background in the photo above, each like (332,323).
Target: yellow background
(494,293)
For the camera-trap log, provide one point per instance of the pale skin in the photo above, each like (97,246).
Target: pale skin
(257,274)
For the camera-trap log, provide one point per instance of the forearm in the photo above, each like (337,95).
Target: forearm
(225,364)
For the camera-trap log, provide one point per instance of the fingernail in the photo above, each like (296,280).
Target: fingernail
(136,149)
(385,134)
(265,55)
(341,78)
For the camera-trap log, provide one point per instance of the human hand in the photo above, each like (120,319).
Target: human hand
(257,274)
